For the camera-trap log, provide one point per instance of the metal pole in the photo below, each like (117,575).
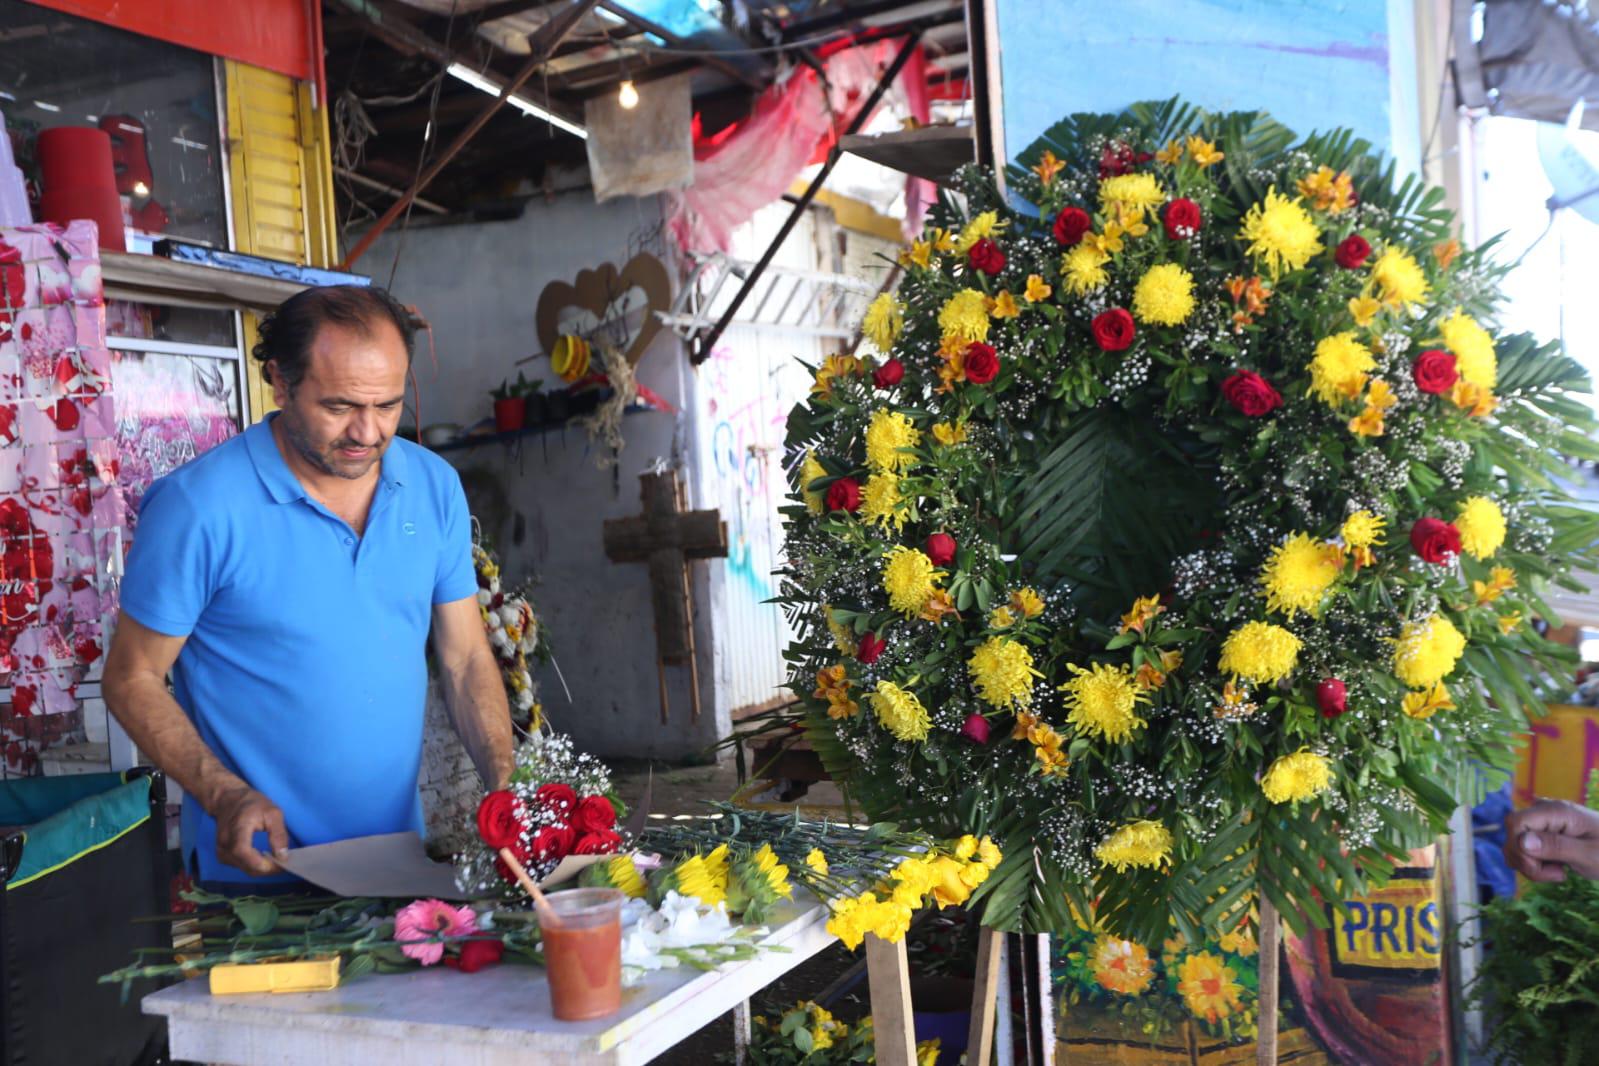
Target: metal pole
(708,342)
(544,41)
(1270,980)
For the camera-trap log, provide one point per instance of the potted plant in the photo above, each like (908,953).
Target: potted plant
(510,404)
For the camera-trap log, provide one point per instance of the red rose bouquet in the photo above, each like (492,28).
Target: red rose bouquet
(559,803)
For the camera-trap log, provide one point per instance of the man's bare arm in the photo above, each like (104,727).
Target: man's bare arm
(473,689)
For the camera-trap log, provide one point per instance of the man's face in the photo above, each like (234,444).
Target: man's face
(343,413)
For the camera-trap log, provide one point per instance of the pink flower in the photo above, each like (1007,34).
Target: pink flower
(419,926)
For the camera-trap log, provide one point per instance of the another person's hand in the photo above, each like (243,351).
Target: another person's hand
(240,814)
(1553,836)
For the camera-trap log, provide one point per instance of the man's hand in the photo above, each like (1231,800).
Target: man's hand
(1551,837)
(240,814)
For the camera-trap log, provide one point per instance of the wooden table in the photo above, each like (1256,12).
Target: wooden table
(496,1017)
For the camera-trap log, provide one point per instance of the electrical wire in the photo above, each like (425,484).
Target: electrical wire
(422,155)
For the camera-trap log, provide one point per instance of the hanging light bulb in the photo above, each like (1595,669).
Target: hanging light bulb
(627,96)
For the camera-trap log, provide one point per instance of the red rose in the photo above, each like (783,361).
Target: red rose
(1251,394)
(982,363)
(1182,218)
(1332,696)
(476,954)
(869,647)
(941,548)
(603,842)
(844,495)
(500,819)
(1113,330)
(593,814)
(1352,251)
(889,374)
(1435,540)
(1435,371)
(975,729)
(1070,226)
(557,798)
(552,843)
(986,256)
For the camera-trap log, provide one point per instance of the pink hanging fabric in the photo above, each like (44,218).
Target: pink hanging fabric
(742,169)
(62,518)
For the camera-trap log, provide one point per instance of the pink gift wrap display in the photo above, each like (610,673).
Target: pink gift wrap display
(63,520)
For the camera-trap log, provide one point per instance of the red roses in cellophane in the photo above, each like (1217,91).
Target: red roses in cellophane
(559,803)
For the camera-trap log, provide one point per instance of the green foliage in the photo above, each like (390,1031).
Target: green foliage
(809,1034)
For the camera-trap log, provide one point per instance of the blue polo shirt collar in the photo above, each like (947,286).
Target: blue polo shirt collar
(280,481)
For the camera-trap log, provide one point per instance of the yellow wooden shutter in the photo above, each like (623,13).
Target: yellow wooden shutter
(281,172)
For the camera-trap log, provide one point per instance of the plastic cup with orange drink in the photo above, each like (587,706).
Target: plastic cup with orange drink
(582,932)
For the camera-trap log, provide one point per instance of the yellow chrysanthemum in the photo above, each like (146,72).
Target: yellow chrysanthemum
(1260,652)
(890,440)
(1363,530)
(910,578)
(624,877)
(1003,672)
(1427,651)
(810,470)
(1104,701)
(883,504)
(1146,844)
(965,316)
(1297,777)
(1121,965)
(1281,233)
(1425,703)
(1164,295)
(1473,349)
(900,712)
(1399,278)
(817,861)
(1340,368)
(1482,527)
(1084,269)
(1209,987)
(884,321)
(984,225)
(1298,574)
(1128,195)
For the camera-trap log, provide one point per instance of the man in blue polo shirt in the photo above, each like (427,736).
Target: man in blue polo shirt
(288,580)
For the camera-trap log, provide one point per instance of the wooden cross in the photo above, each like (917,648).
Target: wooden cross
(667,537)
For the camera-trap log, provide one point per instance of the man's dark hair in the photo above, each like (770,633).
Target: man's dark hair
(287,333)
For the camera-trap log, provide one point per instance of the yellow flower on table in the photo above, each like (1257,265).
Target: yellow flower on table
(1002,669)
(1427,651)
(884,321)
(1298,776)
(1121,965)
(964,316)
(1298,574)
(900,712)
(1209,987)
(1427,702)
(1399,279)
(774,872)
(1340,368)
(1260,652)
(1473,349)
(910,578)
(1084,269)
(817,861)
(1164,296)
(1482,526)
(1281,233)
(1143,844)
(1103,701)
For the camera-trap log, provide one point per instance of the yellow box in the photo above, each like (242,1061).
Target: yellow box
(312,975)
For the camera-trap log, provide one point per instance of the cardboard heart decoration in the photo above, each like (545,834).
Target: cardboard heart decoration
(604,300)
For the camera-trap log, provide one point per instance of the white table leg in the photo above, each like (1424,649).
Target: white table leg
(741,1033)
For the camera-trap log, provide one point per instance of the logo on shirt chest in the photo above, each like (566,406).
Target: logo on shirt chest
(409,529)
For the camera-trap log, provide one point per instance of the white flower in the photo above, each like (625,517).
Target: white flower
(484,597)
(509,614)
(524,699)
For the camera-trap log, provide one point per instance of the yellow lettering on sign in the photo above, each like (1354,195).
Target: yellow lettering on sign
(1397,927)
